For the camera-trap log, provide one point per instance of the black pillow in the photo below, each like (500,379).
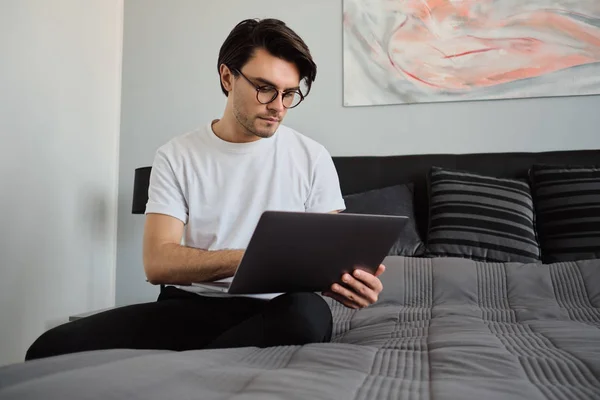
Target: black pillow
(567,203)
(392,200)
(480,217)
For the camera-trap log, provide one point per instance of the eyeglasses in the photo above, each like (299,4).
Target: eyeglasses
(267,94)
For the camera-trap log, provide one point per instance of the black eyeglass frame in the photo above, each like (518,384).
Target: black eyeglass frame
(258,89)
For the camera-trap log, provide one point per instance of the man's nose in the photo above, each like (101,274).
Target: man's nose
(277,104)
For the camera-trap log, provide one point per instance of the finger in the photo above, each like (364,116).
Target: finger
(350,295)
(342,300)
(360,288)
(380,270)
(371,281)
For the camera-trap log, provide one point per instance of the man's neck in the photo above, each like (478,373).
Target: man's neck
(231,131)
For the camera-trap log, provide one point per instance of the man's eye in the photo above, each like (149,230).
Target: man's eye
(289,94)
(266,89)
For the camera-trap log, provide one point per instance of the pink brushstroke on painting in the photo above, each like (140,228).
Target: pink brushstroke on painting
(451,50)
(521,57)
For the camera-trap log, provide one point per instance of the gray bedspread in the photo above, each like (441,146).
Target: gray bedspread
(443,329)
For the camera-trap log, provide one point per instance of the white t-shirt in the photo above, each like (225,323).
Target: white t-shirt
(220,189)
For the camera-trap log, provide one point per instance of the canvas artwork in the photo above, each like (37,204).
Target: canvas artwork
(415,51)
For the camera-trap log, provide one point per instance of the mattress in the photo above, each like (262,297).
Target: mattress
(444,328)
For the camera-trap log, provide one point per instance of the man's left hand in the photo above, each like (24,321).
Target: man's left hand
(362,290)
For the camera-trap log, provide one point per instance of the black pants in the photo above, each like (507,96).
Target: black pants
(180,320)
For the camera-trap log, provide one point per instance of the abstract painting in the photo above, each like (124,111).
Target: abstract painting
(415,51)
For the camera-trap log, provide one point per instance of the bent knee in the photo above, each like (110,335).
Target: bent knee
(305,317)
(44,346)
(310,301)
(57,341)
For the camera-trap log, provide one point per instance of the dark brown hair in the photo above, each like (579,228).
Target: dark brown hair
(272,35)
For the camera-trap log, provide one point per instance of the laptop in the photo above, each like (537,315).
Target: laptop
(308,252)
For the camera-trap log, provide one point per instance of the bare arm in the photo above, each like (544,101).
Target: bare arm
(167,261)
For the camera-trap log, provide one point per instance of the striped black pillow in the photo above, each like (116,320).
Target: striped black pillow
(480,217)
(567,203)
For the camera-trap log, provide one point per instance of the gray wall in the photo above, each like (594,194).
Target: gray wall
(170,85)
(60,73)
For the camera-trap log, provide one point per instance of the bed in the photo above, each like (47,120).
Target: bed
(444,327)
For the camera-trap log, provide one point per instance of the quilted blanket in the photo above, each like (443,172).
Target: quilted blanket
(443,329)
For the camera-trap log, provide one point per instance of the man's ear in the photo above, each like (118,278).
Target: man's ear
(226,77)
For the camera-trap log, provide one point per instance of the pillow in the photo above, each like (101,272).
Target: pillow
(392,200)
(567,203)
(480,217)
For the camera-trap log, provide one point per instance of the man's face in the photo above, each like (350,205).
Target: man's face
(263,69)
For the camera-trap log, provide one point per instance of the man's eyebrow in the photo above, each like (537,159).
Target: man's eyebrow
(266,82)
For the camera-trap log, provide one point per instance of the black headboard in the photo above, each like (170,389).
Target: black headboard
(362,173)
(359,174)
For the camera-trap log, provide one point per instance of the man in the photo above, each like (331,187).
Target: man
(210,187)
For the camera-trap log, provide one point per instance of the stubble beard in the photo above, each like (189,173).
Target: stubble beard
(247,123)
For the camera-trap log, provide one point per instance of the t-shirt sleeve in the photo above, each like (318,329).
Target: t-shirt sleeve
(325,194)
(165,195)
